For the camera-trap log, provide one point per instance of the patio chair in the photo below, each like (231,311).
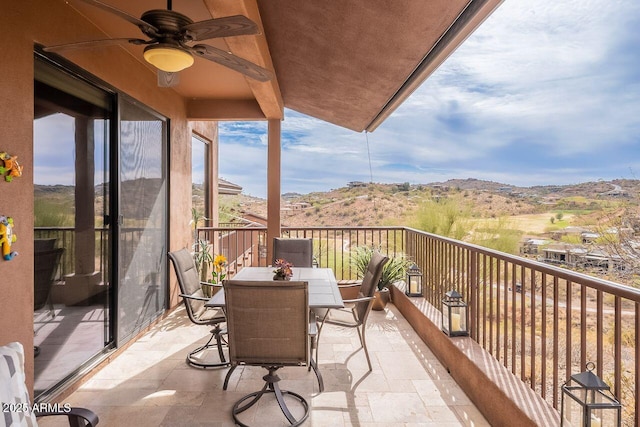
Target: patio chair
(268,325)
(194,300)
(45,266)
(298,252)
(15,396)
(359,307)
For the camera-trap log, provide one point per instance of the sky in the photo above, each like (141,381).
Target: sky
(545,92)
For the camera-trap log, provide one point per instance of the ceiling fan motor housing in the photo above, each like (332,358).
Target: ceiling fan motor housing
(168,22)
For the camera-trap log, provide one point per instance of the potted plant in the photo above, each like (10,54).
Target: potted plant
(203,259)
(283,270)
(393,271)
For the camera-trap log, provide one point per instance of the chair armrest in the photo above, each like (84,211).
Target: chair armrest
(313,326)
(349,289)
(78,417)
(349,285)
(194,298)
(217,285)
(361,299)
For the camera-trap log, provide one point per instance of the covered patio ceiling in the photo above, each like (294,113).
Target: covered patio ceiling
(349,63)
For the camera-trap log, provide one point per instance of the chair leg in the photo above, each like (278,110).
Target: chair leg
(52,310)
(219,345)
(283,406)
(364,346)
(216,334)
(271,386)
(317,338)
(314,365)
(360,335)
(228,376)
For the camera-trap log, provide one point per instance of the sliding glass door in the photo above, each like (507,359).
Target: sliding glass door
(142,223)
(100,207)
(72,262)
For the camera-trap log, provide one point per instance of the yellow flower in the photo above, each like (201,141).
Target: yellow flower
(219,262)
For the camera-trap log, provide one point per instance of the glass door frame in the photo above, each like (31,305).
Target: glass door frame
(113,220)
(64,67)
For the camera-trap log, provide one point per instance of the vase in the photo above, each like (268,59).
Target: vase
(207,290)
(279,277)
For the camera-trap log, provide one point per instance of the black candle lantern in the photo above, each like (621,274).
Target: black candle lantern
(587,401)
(454,315)
(414,282)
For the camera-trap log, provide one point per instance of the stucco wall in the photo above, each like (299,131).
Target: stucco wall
(48,22)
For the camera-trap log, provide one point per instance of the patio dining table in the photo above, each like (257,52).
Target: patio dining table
(323,287)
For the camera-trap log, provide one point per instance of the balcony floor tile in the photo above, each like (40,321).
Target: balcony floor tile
(150,384)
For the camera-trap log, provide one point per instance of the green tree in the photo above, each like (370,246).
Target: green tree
(446,217)
(498,235)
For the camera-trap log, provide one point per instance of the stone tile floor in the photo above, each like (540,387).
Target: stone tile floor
(150,384)
(65,341)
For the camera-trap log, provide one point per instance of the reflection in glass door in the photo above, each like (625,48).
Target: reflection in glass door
(72,283)
(142,221)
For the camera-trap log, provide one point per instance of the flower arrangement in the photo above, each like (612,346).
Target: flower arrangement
(283,270)
(219,269)
(219,264)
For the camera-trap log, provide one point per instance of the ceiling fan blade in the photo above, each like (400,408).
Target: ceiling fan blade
(237,25)
(144,26)
(92,43)
(229,60)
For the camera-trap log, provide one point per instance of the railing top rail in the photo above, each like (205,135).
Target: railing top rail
(397,228)
(288,228)
(239,227)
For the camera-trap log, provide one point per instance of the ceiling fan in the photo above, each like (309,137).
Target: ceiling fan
(171,35)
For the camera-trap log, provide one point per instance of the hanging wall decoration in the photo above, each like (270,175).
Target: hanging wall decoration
(7,237)
(9,166)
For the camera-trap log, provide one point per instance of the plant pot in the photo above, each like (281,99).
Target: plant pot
(207,290)
(381,298)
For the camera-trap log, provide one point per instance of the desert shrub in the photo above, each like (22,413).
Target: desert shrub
(50,213)
(445,217)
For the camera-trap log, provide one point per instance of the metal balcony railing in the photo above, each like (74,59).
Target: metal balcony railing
(541,322)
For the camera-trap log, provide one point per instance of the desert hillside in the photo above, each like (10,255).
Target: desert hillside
(396,204)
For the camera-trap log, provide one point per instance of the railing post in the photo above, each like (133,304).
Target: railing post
(473,294)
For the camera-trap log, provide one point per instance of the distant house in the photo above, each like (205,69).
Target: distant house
(618,192)
(355,184)
(532,246)
(569,231)
(226,187)
(603,260)
(564,254)
(589,237)
(298,206)
(579,256)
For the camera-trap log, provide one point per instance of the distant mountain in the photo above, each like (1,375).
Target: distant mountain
(617,187)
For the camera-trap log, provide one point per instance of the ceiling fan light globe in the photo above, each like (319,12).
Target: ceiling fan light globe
(168,59)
